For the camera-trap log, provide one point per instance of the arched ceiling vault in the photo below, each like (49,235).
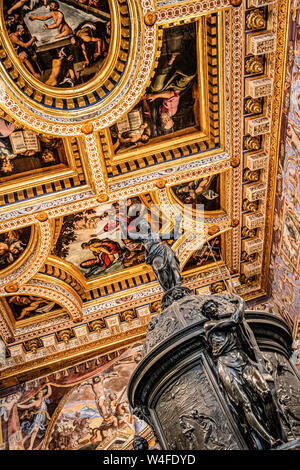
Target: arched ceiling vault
(87,121)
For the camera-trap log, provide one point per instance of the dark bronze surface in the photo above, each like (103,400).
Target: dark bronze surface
(178,390)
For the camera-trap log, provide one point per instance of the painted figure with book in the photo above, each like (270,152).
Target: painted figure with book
(23,151)
(28,306)
(205,255)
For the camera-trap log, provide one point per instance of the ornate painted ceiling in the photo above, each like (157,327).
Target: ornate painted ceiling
(164,105)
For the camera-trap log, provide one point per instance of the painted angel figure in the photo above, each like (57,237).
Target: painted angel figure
(159,255)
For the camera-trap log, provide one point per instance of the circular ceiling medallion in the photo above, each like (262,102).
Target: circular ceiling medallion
(73,60)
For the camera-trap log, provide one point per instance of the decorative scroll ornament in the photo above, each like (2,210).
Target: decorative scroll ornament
(254,65)
(255,19)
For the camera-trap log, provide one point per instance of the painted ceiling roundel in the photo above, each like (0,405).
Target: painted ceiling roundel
(70,61)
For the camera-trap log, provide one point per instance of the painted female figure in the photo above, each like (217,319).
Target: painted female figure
(36,428)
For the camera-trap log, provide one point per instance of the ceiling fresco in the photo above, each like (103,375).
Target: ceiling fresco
(170,106)
(132,109)
(92,241)
(209,253)
(62,44)
(205,191)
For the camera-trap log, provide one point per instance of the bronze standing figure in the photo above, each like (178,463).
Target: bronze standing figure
(159,255)
(241,376)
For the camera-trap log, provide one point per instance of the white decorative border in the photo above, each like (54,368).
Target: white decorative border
(190,9)
(95,163)
(140,184)
(54,208)
(33,330)
(151,176)
(6,326)
(237,125)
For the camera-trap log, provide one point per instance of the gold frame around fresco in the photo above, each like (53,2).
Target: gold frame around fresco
(190,135)
(129,273)
(40,176)
(66,93)
(100,281)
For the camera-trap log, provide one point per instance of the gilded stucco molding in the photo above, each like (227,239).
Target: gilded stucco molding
(236,120)
(57,207)
(38,329)
(126,331)
(95,160)
(187,10)
(141,57)
(64,271)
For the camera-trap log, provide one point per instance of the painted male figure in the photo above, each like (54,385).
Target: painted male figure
(59,21)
